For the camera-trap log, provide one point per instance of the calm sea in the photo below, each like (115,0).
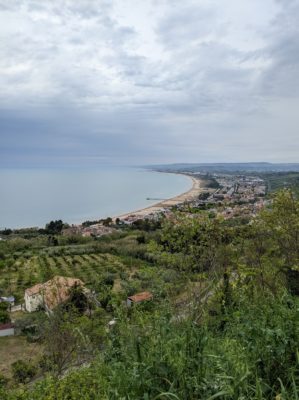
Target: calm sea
(34,197)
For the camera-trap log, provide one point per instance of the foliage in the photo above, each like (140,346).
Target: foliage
(3,381)
(4,315)
(22,371)
(65,343)
(254,358)
(54,227)
(195,244)
(78,300)
(281,180)
(223,323)
(204,195)
(147,225)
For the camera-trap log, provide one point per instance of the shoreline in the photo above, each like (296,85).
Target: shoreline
(187,196)
(190,195)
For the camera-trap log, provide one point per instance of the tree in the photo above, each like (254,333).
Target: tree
(4,315)
(278,229)
(64,342)
(282,222)
(52,241)
(195,244)
(78,299)
(107,221)
(54,227)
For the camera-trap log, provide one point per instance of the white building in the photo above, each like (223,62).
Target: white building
(34,297)
(50,294)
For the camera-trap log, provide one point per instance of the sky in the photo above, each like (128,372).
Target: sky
(92,82)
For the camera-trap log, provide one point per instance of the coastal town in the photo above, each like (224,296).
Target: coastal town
(235,196)
(224,195)
(228,196)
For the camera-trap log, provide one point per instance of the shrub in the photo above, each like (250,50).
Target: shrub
(3,380)
(3,306)
(108,279)
(4,317)
(22,371)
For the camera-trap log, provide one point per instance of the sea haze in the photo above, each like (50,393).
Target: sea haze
(33,197)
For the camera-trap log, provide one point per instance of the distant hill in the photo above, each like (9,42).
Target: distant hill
(227,167)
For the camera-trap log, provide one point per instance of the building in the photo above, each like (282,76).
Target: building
(139,298)
(50,294)
(7,329)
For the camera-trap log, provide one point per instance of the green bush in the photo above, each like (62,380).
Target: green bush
(23,371)
(4,315)
(3,381)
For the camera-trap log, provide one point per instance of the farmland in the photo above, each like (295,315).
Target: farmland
(27,272)
(120,261)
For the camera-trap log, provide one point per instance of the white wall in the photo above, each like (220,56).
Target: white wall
(33,302)
(7,332)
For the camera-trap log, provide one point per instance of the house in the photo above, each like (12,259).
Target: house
(139,298)
(50,294)
(7,329)
(33,297)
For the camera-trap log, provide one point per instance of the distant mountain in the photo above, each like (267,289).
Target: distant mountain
(227,167)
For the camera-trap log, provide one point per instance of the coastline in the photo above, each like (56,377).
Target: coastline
(73,211)
(190,195)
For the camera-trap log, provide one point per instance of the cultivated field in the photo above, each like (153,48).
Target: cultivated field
(26,272)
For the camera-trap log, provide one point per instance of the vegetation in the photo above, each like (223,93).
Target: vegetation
(208,181)
(223,323)
(281,180)
(4,315)
(22,371)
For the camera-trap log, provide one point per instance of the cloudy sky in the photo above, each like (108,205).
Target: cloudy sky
(86,82)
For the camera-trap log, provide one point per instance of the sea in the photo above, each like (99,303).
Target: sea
(33,197)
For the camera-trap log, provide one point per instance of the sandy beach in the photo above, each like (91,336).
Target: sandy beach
(190,195)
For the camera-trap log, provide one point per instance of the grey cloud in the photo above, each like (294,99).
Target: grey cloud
(281,78)
(75,81)
(185,25)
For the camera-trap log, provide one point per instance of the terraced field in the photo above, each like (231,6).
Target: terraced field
(89,268)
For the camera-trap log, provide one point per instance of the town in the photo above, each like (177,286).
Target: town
(234,196)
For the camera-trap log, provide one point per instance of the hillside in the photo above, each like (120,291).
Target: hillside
(222,321)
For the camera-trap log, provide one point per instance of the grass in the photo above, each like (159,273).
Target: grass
(13,348)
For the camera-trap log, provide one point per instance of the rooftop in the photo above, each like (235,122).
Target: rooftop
(141,297)
(34,289)
(55,291)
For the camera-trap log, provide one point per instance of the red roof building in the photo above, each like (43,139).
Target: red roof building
(139,298)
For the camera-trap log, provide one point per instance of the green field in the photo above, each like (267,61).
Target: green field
(120,262)
(26,272)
